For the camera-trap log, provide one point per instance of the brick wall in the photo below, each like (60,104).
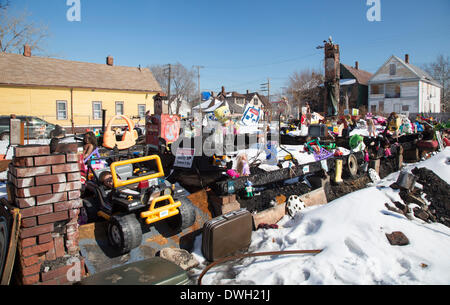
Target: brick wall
(46,189)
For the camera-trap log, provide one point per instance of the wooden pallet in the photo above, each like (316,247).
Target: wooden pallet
(13,215)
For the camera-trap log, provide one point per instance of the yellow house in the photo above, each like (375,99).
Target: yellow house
(72,94)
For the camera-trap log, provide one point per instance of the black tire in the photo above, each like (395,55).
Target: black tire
(4,242)
(185,218)
(91,210)
(4,136)
(352,166)
(124,233)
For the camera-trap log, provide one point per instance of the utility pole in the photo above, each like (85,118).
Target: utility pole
(266,88)
(169,83)
(198,75)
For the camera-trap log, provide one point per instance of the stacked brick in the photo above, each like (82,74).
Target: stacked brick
(223,204)
(46,189)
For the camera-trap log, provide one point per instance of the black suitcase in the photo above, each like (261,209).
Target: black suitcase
(227,234)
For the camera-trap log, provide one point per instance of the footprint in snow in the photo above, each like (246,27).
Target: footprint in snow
(354,248)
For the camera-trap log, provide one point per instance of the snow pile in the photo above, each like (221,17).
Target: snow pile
(352,233)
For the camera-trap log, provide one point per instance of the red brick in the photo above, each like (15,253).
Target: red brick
(19,183)
(24,203)
(59,246)
(51,179)
(27,242)
(26,172)
(49,160)
(34,269)
(33,191)
(74,195)
(28,261)
(53,282)
(56,273)
(23,162)
(30,232)
(31,150)
(74,213)
(35,211)
(30,280)
(29,222)
(53,217)
(73,176)
(51,255)
(38,249)
(52,198)
(68,205)
(65,168)
(64,187)
(45,238)
(72,158)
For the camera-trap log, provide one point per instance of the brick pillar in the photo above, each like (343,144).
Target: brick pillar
(46,189)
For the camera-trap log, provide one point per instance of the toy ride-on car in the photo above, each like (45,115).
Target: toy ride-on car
(131,197)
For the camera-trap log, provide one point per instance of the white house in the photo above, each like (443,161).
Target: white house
(401,87)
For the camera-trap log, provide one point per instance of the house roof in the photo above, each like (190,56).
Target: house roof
(421,74)
(19,70)
(361,76)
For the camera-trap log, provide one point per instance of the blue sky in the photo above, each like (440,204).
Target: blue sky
(243,43)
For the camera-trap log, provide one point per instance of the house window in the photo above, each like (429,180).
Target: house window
(405,108)
(373,108)
(141,110)
(377,89)
(97,110)
(61,110)
(392,69)
(393,91)
(119,108)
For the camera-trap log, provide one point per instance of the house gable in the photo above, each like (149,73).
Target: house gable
(394,69)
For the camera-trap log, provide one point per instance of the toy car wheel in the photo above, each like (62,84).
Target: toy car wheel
(124,232)
(352,166)
(90,211)
(185,218)
(4,242)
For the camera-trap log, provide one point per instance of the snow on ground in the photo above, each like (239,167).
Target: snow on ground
(351,231)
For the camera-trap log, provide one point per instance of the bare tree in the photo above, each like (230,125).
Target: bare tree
(182,85)
(303,87)
(439,70)
(16,31)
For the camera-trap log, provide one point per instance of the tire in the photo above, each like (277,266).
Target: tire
(352,166)
(4,136)
(91,211)
(185,218)
(124,233)
(4,242)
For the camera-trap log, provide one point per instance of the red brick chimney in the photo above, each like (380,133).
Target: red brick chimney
(407,58)
(357,65)
(110,61)
(27,50)
(223,90)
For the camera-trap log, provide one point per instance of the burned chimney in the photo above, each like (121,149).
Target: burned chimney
(407,58)
(357,65)
(223,90)
(27,50)
(110,61)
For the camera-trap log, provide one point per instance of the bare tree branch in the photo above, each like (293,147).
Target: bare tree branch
(439,70)
(16,31)
(182,82)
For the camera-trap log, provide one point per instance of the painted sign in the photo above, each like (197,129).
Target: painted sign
(184,157)
(251,115)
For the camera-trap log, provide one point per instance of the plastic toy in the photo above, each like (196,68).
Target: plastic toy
(249,189)
(130,197)
(128,139)
(232,173)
